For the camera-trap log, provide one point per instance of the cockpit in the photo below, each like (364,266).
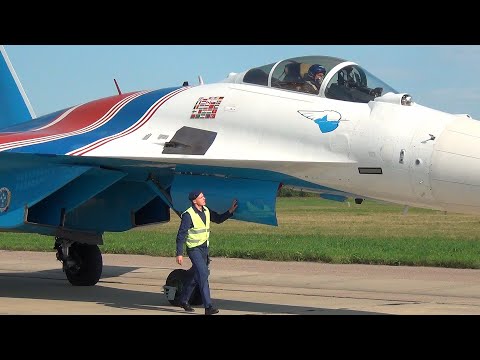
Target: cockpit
(343,80)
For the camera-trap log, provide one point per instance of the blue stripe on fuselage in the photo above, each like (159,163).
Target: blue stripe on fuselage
(125,118)
(33,124)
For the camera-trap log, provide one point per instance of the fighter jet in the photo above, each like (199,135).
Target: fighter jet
(317,123)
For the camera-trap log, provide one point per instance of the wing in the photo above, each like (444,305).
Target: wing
(124,161)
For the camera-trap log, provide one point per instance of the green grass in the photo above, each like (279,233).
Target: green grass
(312,229)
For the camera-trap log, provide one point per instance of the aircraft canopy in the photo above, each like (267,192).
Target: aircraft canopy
(344,80)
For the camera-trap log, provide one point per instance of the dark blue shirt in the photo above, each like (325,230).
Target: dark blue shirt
(187,223)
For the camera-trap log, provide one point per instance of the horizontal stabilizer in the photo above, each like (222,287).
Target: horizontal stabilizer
(14,103)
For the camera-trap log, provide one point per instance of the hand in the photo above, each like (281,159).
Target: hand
(233,207)
(180,260)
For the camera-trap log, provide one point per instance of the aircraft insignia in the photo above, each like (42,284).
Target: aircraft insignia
(206,107)
(5,196)
(327,120)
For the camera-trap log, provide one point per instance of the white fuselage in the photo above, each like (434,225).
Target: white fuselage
(427,158)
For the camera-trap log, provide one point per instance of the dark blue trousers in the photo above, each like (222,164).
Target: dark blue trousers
(198,275)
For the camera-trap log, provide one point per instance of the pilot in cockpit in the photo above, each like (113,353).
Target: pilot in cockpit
(313,79)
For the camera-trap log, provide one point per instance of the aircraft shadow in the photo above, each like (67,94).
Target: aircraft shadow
(52,285)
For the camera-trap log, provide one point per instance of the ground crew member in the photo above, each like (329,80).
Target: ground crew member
(194,231)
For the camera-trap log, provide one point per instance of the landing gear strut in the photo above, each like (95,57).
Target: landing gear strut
(82,263)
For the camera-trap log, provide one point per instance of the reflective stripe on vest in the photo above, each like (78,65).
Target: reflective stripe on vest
(200,231)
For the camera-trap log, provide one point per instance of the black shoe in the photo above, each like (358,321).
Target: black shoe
(211,310)
(187,307)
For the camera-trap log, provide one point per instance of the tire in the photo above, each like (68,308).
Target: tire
(89,265)
(177,279)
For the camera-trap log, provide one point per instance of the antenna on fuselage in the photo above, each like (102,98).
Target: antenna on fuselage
(200,80)
(118,88)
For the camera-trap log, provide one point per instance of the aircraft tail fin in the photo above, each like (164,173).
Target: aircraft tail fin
(14,104)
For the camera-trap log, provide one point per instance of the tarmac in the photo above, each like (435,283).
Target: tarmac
(33,283)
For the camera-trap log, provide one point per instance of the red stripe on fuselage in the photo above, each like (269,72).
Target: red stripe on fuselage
(84,116)
(142,121)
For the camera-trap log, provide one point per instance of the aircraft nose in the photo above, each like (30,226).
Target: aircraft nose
(455,167)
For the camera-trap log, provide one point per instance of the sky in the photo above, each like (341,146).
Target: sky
(55,77)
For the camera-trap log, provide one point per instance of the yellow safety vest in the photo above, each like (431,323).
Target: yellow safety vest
(200,231)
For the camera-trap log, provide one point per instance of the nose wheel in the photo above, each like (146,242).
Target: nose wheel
(82,263)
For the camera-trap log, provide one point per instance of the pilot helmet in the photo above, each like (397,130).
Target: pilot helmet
(314,70)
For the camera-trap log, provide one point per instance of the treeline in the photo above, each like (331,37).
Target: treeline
(284,192)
